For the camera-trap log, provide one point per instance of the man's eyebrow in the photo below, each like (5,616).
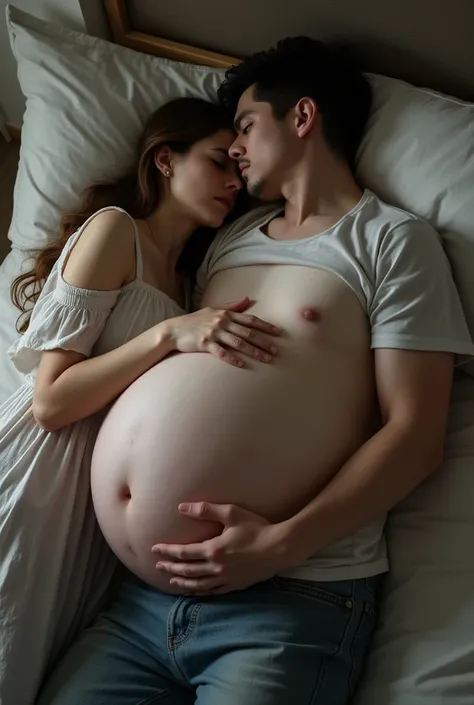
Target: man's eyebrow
(239,118)
(221,149)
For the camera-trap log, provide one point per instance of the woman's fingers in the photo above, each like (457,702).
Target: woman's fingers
(234,342)
(225,355)
(242,305)
(247,334)
(249,321)
(203,585)
(253,338)
(198,569)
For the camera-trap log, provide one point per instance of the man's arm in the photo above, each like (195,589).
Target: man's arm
(414,391)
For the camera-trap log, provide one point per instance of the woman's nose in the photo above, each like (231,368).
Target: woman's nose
(235,183)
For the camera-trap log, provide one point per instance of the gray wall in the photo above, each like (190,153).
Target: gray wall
(427,42)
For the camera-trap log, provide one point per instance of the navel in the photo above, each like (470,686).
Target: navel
(124,493)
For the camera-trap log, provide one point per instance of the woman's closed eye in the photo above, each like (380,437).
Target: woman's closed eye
(220,164)
(227,165)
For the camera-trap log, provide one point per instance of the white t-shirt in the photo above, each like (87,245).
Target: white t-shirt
(395,264)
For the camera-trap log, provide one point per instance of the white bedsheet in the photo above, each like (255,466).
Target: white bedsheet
(423,651)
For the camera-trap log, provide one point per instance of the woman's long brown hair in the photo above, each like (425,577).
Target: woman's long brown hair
(178,124)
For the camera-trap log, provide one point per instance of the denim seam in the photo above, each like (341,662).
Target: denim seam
(322,595)
(155,698)
(319,680)
(338,651)
(173,645)
(172,641)
(367,613)
(369,589)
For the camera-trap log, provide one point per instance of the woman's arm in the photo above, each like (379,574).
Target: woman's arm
(70,387)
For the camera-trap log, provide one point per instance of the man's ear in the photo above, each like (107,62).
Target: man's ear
(306,112)
(163,160)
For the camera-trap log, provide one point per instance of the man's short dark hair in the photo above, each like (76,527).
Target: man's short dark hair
(302,67)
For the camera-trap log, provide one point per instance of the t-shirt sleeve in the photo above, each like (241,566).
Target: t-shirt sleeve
(415,303)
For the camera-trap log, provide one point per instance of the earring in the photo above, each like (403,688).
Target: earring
(168,172)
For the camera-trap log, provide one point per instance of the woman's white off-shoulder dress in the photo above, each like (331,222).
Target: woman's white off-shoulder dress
(55,567)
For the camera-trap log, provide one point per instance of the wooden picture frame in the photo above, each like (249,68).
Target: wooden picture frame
(124,34)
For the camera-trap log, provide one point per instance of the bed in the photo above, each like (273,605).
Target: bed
(86,101)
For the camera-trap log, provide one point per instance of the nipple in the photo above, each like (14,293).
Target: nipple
(310,314)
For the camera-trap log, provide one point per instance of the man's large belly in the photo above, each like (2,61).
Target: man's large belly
(267,437)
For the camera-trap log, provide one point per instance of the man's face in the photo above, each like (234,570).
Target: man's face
(263,148)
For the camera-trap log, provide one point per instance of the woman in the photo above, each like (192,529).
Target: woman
(108,300)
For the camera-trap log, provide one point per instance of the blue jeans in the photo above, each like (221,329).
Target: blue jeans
(280,642)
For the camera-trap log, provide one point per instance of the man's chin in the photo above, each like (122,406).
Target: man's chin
(260,191)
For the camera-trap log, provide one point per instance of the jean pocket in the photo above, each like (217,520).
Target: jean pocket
(311,589)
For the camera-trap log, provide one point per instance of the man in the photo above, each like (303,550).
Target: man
(300,113)
(282,610)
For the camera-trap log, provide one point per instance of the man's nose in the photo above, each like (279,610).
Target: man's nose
(236,150)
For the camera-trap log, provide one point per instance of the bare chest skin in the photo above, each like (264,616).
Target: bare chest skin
(314,307)
(156,270)
(267,437)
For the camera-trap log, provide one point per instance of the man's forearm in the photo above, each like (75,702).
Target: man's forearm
(382,472)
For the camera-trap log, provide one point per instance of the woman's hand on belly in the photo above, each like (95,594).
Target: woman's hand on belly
(221,330)
(249,550)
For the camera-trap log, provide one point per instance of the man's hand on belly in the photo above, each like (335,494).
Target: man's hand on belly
(249,550)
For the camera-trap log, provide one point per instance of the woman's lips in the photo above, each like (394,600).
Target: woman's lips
(224,202)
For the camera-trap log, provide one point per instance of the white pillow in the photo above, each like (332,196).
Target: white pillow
(418,153)
(86,103)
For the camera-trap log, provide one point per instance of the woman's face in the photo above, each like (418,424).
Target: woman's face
(205,181)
